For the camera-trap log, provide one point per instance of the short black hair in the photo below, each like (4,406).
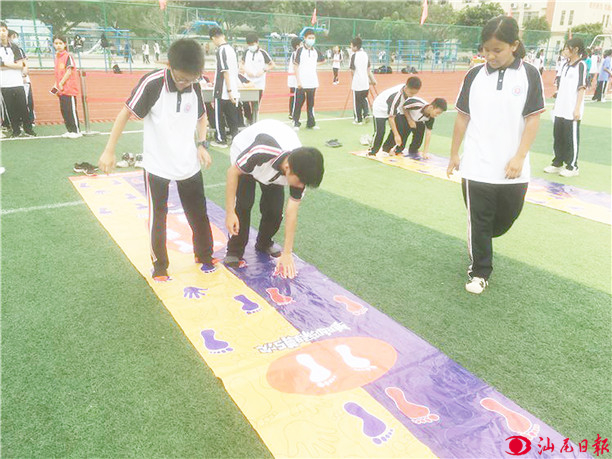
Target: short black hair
(3,24)
(295,42)
(309,32)
(185,54)
(439,102)
(414,82)
(307,164)
(252,37)
(215,32)
(608,52)
(357,42)
(61,38)
(12,33)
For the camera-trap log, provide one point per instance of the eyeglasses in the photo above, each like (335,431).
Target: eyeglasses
(182,80)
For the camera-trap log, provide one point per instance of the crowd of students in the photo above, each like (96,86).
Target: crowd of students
(499,106)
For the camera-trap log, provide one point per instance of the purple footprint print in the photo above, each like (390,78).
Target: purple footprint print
(214,345)
(372,426)
(248,306)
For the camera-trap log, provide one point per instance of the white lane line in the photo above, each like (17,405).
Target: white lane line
(35,208)
(12,139)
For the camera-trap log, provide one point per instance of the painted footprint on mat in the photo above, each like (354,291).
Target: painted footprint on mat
(516,422)
(248,306)
(372,426)
(319,375)
(278,298)
(356,363)
(215,346)
(418,414)
(351,306)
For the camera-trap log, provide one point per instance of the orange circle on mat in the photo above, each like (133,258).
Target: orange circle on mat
(324,369)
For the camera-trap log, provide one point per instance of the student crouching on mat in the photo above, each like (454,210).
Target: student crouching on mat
(67,86)
(170,103)
(568,110)
(388,105)
(499,108)
(422,116)
(268,152)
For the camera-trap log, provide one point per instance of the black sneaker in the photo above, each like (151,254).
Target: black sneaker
(78,167)
(29,133)
(274,250)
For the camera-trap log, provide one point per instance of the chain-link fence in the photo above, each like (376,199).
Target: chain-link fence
(113,33)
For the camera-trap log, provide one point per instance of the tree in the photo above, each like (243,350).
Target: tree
(537,30)
(587,32)
(62,16)
(478,15)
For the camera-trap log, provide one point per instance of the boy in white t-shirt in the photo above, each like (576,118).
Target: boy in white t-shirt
(306,58)
(256,62)
(362,79)
(170,103)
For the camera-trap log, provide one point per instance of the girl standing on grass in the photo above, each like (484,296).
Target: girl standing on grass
(67,87)
(568,110)
(499,108)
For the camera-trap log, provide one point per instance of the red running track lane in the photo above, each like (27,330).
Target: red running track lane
(108,91)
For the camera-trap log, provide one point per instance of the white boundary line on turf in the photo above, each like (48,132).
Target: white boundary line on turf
(12,139)
(68,204)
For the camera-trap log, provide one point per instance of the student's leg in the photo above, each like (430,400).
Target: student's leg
(310,101)
(271,207)
(363,96)
(355,107)
(480,200)
(30,99)
(598,89)
(291,102)
(219,121)
(335,70)
(510,200)
(11,102)
(379,135)
(417,139)
(210,114)
(232,117)
(300,97)
(157,196)
(559,142)
(72,122)
(245,196)
(573,129)
(191,192)
(66,109)
(403,130)
(247,108)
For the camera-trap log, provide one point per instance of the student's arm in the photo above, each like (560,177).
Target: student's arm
(60,85)
(425,153)
(515,165)
(296,68)
(579,99)
(203,154)
(231,219)
(106,163)
(396,134)
(461,124)
(409,118)
(14,65)
(285,264)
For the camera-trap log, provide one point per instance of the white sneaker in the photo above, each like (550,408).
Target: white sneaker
(382,154)
(2,170)
(365,139)
(569,173)
(138,161)
(123,163)
(553,169)
(476,285)
(315,128)
(357,123)
(296,128)
(66,135)
(74,135)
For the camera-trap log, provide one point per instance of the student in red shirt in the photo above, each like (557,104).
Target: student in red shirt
(67,87)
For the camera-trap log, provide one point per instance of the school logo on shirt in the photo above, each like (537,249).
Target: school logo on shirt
(187,108)
(517,91)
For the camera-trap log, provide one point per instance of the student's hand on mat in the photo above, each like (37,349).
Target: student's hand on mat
(204,157)
(232,223)
(285,265)
(106,163)
(453,165)
(514,167)
(424,155)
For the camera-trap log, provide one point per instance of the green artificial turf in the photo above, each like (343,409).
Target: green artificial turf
(94,365)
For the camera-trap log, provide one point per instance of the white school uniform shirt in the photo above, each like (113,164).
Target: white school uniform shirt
(389,102)
(145,50)
(306,60)
(170,120)
(291,81)
(11,78)
(337,58)
(360,63)
(497,102)
(594,64)
(260,149)
(571,79)
(156,48)
(226,62)
(254,63)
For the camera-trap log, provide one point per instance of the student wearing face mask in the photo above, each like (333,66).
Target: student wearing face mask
(256,62)
(306,59)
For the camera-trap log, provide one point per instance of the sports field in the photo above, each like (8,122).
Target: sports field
(94,365)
